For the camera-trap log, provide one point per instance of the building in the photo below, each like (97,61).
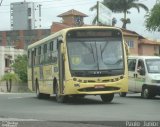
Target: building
(70,18)
(148,47)
(139,45)
(25,16)
(20,39)
(7,56)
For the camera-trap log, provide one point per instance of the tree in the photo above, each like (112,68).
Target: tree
(20,67)
(9,77)
(122,6)
(152,21)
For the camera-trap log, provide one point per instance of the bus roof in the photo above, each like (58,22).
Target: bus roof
(62,33)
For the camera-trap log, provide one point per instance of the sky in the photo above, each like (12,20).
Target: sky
(52,8)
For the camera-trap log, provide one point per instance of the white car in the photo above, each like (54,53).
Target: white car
(144,76)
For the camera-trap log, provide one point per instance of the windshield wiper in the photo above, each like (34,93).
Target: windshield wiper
(97,55)
(92,52)
(102,50)
(101,53)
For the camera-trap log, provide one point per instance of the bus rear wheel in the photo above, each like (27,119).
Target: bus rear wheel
(107,98)
(38,94)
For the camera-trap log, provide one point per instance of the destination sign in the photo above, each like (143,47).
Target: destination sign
(93,33)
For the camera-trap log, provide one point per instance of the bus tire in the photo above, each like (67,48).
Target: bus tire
(146,93)
(107,98)
(60,98)
(122,94)
(38,94)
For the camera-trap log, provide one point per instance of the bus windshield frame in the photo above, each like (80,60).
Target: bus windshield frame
(95,52)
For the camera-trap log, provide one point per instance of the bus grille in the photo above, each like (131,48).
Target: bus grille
(92,89)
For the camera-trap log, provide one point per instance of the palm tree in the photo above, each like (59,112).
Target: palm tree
(9,77)
(122,6)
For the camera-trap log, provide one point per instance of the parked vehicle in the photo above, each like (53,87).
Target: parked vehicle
(144,76)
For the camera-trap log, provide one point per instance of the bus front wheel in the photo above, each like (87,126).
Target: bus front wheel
(122,94)
(107,98)
(60,98)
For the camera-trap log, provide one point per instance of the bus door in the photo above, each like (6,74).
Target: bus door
(61,67)
(32,68)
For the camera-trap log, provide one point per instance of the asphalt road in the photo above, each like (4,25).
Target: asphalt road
(89,110)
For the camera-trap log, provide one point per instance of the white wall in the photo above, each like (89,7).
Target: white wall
(8,50)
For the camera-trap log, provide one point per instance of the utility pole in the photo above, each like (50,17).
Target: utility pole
(1,2)
(97,12)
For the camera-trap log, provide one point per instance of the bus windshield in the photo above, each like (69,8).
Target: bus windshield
(97,55)
(153,65)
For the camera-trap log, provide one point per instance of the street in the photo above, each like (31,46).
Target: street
(26,107)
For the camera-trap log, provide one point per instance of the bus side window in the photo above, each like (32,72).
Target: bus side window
(50,53)
(51,46)
(55,52)
(45,53)
(55,46)
(39,55)
(35,54)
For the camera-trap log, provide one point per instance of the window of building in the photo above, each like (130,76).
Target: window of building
(130,43)
(29,24)
(29,11)
(7,62)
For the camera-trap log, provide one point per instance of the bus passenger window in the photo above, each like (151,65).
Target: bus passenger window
(45,53)
(51,46)
(39,54)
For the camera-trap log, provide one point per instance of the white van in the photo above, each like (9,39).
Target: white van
(144,75)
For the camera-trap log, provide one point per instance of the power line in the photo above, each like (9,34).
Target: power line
(48,2)
(70,5)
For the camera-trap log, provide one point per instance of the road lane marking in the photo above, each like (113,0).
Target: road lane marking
(17,119)
(16,97)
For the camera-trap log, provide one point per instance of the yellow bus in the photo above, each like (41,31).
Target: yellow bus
(79,61)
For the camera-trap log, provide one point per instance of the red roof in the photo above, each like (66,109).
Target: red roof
(149,42)
(72,12)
